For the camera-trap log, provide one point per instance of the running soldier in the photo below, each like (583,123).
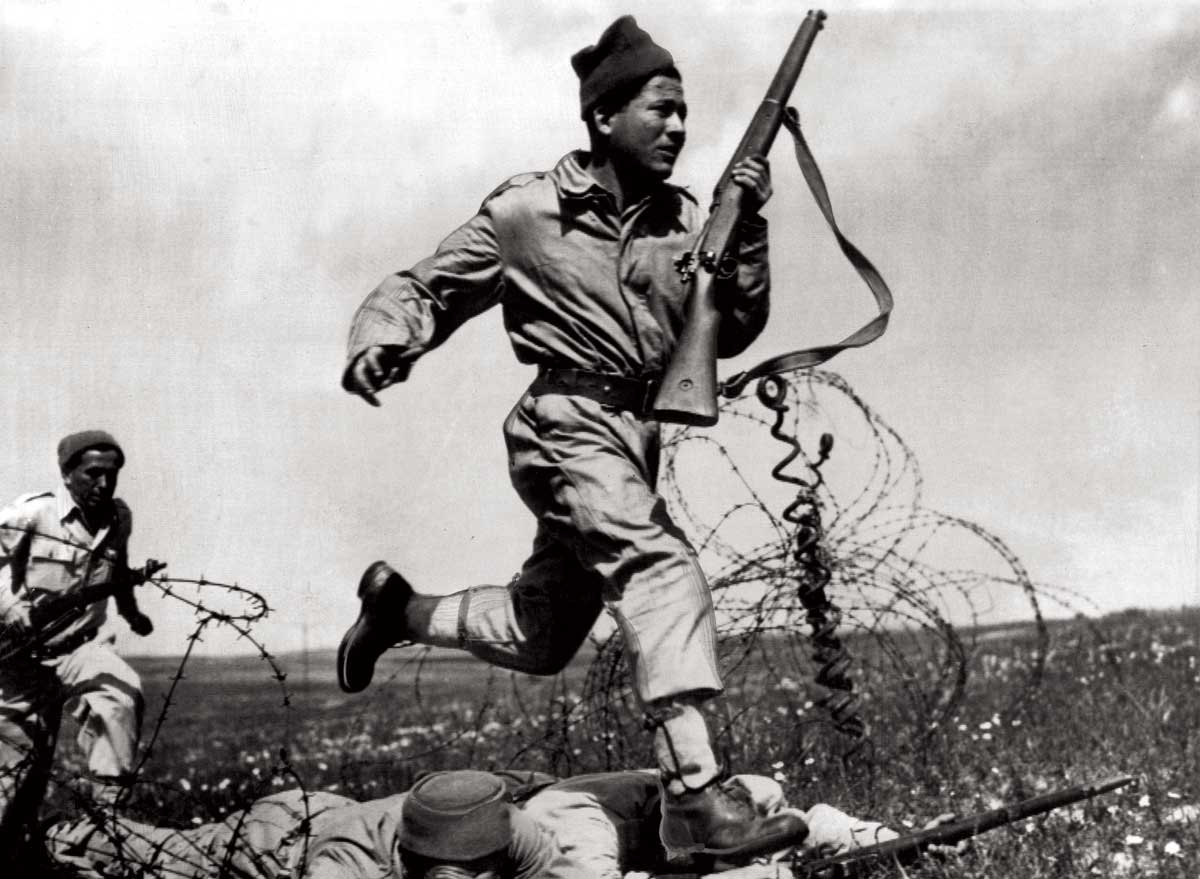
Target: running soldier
(581,260)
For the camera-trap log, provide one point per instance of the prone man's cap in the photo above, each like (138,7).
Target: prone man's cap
(75,444)
(623,55)
(456,816)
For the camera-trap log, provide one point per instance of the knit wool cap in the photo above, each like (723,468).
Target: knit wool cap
(77,443)
(455,816)
(623,55)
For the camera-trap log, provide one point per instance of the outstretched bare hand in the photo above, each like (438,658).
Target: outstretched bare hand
(375,369)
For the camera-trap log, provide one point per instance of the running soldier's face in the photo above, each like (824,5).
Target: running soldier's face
(646,135)
(93,480)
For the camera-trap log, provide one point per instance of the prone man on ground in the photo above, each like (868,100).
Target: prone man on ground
(581,260)
(452,825)
(54,546)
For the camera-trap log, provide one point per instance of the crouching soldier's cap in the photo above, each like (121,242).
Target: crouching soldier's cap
(623,55)
(75,444)
(456,816)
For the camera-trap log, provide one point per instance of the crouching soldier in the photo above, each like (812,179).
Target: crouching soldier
(54,546)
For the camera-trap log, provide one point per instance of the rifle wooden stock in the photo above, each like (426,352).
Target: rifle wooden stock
(688,394)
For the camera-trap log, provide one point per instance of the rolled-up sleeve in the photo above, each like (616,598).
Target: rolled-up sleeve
(15,536)
(745,299)
(418,309)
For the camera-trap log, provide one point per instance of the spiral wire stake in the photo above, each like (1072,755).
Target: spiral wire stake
(813,573)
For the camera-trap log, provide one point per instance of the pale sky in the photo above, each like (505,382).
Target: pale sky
(195,198)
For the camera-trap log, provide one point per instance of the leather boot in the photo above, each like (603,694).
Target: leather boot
(712,821)
(380,624)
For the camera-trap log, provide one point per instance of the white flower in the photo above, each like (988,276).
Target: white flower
(1134,839)
(1183,815)
(185,784)
(1144,801)
(1172,848)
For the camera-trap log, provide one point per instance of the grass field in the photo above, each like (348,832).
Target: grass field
(1119,695)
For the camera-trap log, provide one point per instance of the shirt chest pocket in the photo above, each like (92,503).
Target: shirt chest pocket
(54,565)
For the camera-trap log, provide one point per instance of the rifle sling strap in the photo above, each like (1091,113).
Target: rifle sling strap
(869,332)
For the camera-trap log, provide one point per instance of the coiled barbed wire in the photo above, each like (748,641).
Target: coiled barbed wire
(912,585)
(26,645)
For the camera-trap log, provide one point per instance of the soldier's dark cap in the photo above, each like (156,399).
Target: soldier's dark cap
(459,816)
(71,446)
(624,55)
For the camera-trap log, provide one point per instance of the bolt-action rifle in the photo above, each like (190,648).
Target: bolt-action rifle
(907,848)
(688,394)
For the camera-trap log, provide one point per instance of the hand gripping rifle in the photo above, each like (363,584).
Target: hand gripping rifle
(905,849)
(46,613)
(688,394)
(49,616)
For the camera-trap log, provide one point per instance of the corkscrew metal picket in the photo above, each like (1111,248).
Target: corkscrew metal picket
(814,571)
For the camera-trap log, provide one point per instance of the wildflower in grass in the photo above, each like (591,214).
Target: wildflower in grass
(1122,863)
(1144,801)
(1184,815)
(1134,839)
(1171,847)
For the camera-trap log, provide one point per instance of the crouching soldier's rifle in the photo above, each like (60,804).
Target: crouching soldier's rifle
(905,849)
(49,615)
(688,392)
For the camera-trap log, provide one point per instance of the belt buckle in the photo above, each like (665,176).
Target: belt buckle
(648,395)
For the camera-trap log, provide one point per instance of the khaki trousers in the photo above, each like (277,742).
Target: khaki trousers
(105,696)
(587,472)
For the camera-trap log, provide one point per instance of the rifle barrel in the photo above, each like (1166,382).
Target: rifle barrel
(965,828)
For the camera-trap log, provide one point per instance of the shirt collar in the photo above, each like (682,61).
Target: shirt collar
(573,179)
(67,507)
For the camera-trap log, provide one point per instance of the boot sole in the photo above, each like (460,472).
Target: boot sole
(787,835)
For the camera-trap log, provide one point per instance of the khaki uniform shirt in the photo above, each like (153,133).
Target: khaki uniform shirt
(581,284)
(46,551)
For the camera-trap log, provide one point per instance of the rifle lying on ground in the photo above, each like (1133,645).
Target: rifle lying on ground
(49,616)
(907,848)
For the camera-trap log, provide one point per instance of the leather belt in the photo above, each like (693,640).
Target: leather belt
(621,392)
